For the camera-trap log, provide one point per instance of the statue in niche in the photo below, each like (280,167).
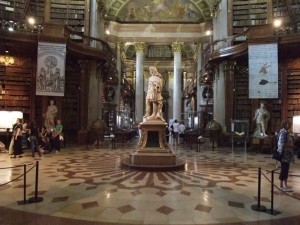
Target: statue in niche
(50,115)
(262,117)
(154,96)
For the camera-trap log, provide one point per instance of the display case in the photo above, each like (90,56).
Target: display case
(190,119)
(239,131)
(124,119)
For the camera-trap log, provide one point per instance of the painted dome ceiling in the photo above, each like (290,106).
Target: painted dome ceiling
(159,11)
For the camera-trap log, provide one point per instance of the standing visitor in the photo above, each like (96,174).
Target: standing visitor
(58,136)
(33,133)
(181,129)
(18,139)
(175,132)
(285,147)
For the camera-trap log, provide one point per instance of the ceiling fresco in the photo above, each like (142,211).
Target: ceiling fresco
(159,11)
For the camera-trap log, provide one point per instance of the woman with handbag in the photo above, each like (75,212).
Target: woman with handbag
(285,146)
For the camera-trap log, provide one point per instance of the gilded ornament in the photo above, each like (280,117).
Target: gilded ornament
(177,46)
(140,47)
(197,50)
(102,7)
(120,46)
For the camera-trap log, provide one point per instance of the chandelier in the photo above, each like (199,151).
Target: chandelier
(7,60)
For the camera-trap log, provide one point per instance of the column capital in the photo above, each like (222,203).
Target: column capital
(177,46)
(139,47)
(120,47)
(102,7)
(198,49)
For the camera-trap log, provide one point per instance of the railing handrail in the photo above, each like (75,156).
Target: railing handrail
(227,39)
(69,32)
(252,32)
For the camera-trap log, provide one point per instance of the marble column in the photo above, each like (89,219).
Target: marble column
(96,21)
(95,94)
(139,82)
(120,49)
(177,89)
(219,96)
(199,60)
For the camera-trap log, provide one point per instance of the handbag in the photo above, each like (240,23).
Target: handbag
(277,156)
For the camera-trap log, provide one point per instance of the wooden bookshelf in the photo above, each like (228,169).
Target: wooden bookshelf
(243,109)
(16,86)
(70,102)
(280,10)
(293,93)
(12,9)
(68,12)
(275,109)
(248,13)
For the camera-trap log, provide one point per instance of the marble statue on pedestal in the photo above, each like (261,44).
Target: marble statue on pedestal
(154,96)
(262,117)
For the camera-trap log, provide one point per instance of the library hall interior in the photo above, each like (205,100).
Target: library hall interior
(149,112)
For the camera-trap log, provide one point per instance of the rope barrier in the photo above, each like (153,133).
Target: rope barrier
(258,207)
(18,176)
(34,199)
(11,167)
(278,188)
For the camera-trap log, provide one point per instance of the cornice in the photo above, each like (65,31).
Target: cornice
(152,33)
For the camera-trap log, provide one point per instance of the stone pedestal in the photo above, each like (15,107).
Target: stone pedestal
(153,149)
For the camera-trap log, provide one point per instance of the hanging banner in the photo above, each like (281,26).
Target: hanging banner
(50,78)
(263,70)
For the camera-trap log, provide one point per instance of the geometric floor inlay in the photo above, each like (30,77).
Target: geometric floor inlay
(236,204)
(165,210)
(203,208)
(90,187)
(126,208)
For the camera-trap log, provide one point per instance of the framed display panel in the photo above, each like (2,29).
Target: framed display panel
(206,96)
(240,128)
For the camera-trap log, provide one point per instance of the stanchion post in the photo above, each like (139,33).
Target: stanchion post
(24,188)
(36,199)
(259,207)
(272,211)
(25,181)
(272,191)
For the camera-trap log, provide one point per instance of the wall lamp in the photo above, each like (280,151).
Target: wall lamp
(106,28)
(7,60)
(277,23)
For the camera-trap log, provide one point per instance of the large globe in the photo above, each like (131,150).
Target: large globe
(98,128)
(213,125)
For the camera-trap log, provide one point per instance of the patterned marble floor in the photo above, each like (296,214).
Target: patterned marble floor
(89,186)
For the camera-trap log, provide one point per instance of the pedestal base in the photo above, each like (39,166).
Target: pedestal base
(153,150)
(148,158)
